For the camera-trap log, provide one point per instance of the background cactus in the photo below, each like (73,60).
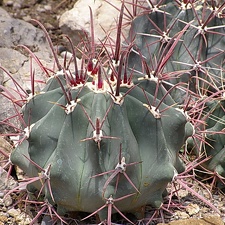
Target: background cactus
(105,137)
(195,64)
(214,137)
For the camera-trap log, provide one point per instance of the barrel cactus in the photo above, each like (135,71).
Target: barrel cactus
(104,134)
(100,133)
(214,137)
(196,63)
(105,137)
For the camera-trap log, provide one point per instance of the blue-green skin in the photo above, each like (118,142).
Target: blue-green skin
(191,39)
(209,73)
(55,139)
(214,114)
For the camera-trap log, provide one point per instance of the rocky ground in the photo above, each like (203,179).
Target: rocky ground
(45,11)
(48,12)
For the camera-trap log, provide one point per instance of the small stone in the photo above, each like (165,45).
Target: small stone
(192,209)
(204,210)
(5,181)
(27,18)
(23,219)
(14,212)
(2,193)
(17,5)
(222,209)
(3,209)
(182,193)
(3,218)
(47,7)
(49,26)
(8,201)
(40,9)
(181,215)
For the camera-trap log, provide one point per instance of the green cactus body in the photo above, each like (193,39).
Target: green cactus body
(214,120)
(116,131)
(197,57)
(197,60)
(66,141)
